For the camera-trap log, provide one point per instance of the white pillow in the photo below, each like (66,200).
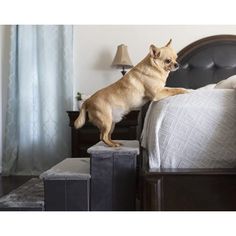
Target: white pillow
(229,83)
(209,86)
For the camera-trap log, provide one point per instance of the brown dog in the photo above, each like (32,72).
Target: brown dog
(144,82)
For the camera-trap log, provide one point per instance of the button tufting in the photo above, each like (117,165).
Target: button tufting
(215,67)
(185,66)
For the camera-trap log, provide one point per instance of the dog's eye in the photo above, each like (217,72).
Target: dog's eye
(167,61)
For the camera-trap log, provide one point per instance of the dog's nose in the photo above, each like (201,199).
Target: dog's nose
(176,65)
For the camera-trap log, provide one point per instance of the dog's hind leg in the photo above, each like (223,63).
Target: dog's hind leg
(104,123)
(111,130)
(105,130)
(110,133)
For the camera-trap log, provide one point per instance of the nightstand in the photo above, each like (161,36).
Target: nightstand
(127,129)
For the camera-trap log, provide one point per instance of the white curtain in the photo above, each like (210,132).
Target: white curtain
(39,94)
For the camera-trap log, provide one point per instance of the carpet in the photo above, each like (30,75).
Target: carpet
(29,196)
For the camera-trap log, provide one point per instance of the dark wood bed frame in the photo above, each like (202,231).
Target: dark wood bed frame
(194,189)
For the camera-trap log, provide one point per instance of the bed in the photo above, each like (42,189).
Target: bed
(191,186)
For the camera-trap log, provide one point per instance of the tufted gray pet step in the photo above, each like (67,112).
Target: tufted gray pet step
(113,176)
(27,197)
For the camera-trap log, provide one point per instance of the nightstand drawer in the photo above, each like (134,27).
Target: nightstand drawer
(86,134)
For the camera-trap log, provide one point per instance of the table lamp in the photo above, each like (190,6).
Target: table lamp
(122,59)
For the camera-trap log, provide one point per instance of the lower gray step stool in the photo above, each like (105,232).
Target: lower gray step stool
(113,176)
(67,185)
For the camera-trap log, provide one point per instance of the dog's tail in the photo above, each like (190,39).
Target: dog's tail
(79,122)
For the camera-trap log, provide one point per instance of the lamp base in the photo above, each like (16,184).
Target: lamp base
(123,71)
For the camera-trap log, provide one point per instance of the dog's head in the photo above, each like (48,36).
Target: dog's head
(164,57)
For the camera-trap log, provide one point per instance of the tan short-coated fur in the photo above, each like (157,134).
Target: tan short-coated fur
(144,82)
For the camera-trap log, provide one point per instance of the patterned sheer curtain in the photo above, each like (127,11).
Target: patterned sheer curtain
(39,93)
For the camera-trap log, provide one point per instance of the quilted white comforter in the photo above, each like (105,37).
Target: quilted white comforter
(196,130)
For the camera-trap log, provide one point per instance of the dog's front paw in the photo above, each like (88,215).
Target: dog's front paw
(183,91)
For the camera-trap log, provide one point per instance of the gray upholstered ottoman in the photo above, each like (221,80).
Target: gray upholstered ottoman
(113,176)
(67,185)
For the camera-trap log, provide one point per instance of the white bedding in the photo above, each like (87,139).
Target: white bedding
(195,130)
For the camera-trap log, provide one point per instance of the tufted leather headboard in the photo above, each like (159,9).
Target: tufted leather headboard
(205,61)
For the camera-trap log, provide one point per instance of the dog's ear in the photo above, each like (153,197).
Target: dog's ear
(154,51)
(169,43)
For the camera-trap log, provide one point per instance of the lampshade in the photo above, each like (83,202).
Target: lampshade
(122,58)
